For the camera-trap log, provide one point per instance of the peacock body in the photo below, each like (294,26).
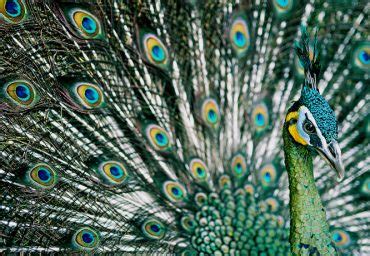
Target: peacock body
(160,127)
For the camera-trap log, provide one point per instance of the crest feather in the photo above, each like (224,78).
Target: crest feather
(309,58)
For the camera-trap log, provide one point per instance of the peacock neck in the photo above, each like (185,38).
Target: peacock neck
(309,231)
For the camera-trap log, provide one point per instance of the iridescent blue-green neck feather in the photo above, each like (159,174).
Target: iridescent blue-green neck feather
(309,230)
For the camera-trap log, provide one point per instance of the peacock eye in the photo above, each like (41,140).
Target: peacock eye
(267,175)
(224,181)
(85,239)
(364,56)
(361,56)
(113,172)
(198,169)
(89,95)
(282,3)
(153,229)
(41,176)
(272,203)
(85,23)
(341,238)
(308,127)
(200,198)
(21,93)
(238,166)
(239,36)
(188,223)
(210,113)
(158,137)
(174,191)
(13,11)
(283,7)
(154,50)
(249,188)
(260,117)
(365,187)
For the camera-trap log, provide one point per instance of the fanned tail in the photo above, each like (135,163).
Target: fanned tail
(154,127)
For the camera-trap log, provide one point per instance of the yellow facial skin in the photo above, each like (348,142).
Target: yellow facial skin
(293,128)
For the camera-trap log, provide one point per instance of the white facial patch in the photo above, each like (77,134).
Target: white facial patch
(303,114)
(332,154)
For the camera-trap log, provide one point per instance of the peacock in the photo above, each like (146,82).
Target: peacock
(152,127)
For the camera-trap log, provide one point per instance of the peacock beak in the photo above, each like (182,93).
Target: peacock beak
(332,155)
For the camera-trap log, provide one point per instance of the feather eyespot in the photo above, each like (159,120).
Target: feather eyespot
(85,239)
(364,56)
(267,175)
(272,203)
(154,50)
(239,36)
(21,93)
(174,191)
(224,181)
(283,3)
(210,113)
(13,11)
(188,223)
(158,138)
(361,56)
(153,229)
(198,169)
(341,238)
(249,188)
(283,7)
(260,117)
(238,166)
(113,172)
(200,199)
(85,23)
(86,96)
(91,95)
(365,187)
(41,176)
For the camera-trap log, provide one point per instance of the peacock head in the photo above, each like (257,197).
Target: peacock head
(311,122)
